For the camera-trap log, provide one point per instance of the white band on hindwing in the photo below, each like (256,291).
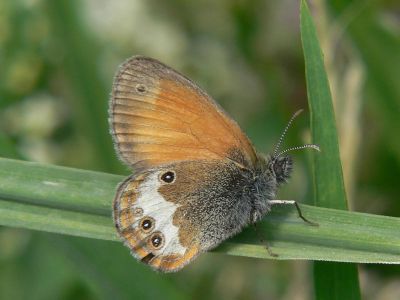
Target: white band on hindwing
(155,206)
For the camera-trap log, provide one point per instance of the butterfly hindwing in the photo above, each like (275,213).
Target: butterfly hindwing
(166,224)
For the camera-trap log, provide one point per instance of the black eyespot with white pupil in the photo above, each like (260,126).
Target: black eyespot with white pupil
(146,224)
(156,240)
(168,177)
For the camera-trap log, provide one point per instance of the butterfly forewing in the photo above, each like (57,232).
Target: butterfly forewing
(158,116)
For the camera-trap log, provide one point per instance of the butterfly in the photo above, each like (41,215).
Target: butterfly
(197,179)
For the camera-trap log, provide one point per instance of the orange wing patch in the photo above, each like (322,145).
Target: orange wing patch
(158,116)
(173,263)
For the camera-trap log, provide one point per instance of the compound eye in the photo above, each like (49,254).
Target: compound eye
(283,168)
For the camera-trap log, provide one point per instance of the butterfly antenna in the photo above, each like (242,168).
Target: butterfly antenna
(295,115)
(309,146)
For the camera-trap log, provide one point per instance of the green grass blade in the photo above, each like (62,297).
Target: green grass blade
(78,202)
(328,180)
(332,280)
(57,187)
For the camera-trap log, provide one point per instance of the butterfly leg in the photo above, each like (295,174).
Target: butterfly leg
(263,241)
(293,202)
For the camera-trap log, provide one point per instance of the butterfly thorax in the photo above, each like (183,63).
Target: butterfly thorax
(269,174)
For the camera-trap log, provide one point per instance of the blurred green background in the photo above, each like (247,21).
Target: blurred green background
(57,61)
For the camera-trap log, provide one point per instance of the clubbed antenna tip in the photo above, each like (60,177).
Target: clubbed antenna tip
(309,146)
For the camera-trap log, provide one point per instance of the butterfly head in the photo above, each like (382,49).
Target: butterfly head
(281,167)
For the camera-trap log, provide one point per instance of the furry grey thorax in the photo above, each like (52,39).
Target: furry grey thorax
(269,174)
